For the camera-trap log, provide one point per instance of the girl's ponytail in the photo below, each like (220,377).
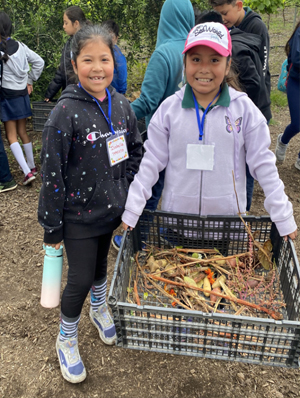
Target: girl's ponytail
(5,32)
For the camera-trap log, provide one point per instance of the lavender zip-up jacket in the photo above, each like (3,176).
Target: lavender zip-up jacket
(239,134)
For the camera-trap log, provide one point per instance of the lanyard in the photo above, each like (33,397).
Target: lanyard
(109,107)
(201,122)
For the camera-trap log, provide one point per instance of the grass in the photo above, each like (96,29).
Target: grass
(278,99)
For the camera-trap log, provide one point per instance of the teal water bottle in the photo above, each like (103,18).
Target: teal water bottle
(52,272)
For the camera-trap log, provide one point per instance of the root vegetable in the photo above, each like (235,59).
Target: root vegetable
(219,262)
(217,282)
(172,270)
(206,286)
(232,262)
(162,263)
(191,282)
(200,283)
(252,283)
(214,298)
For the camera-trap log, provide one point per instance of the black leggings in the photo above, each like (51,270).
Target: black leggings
(87,260)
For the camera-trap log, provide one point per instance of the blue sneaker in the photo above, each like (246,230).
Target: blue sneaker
(116,241)
(104,324)
(70,362)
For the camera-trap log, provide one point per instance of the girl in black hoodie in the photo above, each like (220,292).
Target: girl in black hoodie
(91,151)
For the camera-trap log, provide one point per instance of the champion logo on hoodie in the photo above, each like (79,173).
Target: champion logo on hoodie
(95,135)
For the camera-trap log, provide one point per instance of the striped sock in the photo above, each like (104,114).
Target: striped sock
(68,328)
(98,293)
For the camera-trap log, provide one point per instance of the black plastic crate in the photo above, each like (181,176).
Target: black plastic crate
(40,113)
(229,337)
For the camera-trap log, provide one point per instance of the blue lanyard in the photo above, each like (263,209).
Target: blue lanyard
(201,122)
(109,107)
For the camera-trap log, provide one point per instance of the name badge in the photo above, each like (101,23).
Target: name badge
(116,149)
(200,157)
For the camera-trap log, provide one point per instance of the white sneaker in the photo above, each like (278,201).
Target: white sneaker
(70,362)
(104,323)
(280,149)
(297,164)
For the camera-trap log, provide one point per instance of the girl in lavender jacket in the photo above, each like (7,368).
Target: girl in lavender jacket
(202,134)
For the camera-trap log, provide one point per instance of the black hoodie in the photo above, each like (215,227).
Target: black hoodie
(64,75)
(245,54)
(252,23)
(81,194)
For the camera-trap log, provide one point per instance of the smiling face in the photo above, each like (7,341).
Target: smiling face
(95,67)
(69,27)
(232,14)
(205,70)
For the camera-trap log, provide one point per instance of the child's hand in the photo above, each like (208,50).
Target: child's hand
(55,245)
(125,227)
(29,88)
(293,236)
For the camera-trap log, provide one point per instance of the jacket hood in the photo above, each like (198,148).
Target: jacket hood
(249,16)
(177,18)
(248,39)
(77,93)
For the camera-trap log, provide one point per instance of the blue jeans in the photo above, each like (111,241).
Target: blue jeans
(293,96)
(5,175)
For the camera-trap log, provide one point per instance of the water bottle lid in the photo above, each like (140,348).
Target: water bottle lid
(51,251)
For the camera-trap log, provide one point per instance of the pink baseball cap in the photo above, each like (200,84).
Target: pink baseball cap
(211,34)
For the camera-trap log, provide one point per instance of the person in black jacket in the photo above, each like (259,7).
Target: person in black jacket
(91,150)
(246,61)
(236,16)
(74,19)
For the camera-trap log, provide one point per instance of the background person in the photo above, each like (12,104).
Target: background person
(7,183)
(243,18)
(73,20)
(16,86)
(292,49)
(163,74)
(120,72)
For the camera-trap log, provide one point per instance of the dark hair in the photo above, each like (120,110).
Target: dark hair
(5,32)
(209,16)
(287,46)
(90,33)
(216,3)
(75,13)
(112,26)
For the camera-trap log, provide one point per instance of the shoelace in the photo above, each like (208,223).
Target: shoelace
(105,315)
(72,352)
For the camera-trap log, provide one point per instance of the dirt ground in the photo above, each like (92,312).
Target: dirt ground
(28,364)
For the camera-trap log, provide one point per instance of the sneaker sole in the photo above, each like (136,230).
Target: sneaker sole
(101,334)
(297,165)
(79,379)
(9,189)
(29,180)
